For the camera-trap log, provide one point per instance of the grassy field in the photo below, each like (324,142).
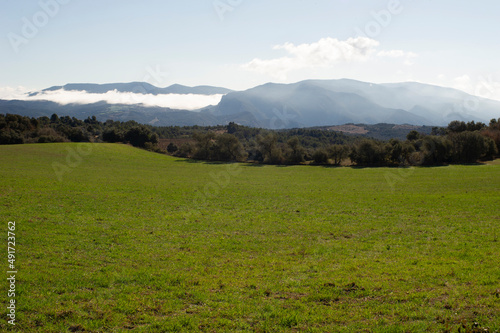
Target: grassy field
(114,239)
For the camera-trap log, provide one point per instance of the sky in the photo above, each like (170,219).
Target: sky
(239,44)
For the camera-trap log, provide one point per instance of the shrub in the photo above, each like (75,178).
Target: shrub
(338,153)
(10,137)
(227,147)
(368,152)
(296,152)
(139,135)
(436,150)
(468,147)
(320,156)
(185,150)
(172,148)
(113,135)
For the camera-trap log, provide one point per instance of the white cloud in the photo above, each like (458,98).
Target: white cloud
(9,93)
(396,54)
(330,50)
(409,56)
(324,53)
(63,97)
(485,87)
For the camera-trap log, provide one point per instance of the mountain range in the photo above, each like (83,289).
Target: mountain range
(139,88)
(303,104)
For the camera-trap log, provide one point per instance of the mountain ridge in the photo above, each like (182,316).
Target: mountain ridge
(306,103)
(412,103)
(140,88)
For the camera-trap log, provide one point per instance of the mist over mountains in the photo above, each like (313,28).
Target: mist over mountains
(139,88)
(319,102)
(303,104)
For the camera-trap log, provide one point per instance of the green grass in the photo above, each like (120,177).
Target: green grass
(126,241)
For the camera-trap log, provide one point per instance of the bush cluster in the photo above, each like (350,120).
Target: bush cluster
(15,129)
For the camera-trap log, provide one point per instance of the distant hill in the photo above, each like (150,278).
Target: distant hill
(139,88)
(307,103)
(334,102)
(122,112)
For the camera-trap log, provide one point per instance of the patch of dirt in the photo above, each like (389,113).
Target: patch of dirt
(77,328)
(351,129)
(494,162)
(352,287)
(289,295)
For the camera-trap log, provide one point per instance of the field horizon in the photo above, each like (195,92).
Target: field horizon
(111,238)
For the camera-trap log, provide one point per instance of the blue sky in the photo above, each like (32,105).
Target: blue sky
(239,44)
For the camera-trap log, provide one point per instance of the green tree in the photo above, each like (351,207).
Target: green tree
(413,136)
(172,148)
(9,136)
(113,135)
(139,135)
(457,126)
(407,152)
(185,150)
(54,118)
(204,146)
(77,134)
(232,128)
(493,132)
(395,152)
(338,153)
(473,126)
(368,152)
(228,148)
(269,149)
(438,131)
(320,156)
(468,147)
(436,150)
(491,149)
(296,151)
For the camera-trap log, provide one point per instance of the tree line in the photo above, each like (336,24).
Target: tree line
(16,129)
(459,142)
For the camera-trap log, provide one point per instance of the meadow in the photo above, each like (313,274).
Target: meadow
(110,238)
